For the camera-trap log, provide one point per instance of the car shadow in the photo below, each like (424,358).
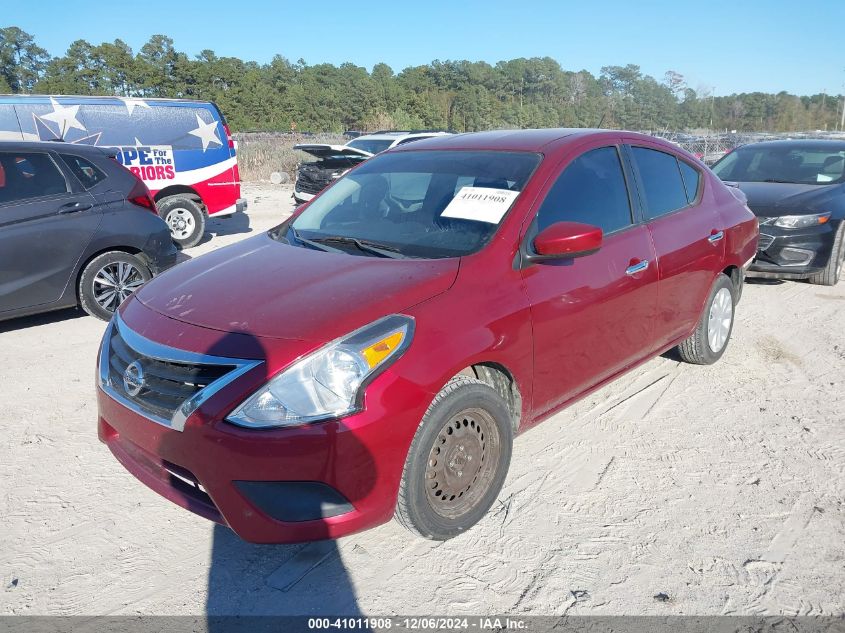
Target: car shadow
(764,281)
(247,579)
(235,224)
(56,316)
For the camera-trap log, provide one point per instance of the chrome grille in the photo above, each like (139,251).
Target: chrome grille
(173,383)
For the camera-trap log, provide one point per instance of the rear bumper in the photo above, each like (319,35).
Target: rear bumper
(160,252)
(241,205)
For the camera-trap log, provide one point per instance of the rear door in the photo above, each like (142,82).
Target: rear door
(687,233)
(46,221)
(592,316)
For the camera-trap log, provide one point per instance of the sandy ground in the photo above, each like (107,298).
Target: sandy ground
(721,487)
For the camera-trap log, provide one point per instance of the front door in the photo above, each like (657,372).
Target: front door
(594,315)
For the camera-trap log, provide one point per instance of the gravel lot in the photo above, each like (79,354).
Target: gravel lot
(721,487)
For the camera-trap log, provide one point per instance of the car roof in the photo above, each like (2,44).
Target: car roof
(17,98)
(828,144)
(533,140)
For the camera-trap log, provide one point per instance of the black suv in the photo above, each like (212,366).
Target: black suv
(76,228)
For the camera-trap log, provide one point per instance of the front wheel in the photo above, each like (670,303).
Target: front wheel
(457,462)
(185,219)
(833,271)
(710,338)
(108,280)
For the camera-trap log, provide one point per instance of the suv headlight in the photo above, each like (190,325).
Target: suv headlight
(801,221)
(327,383)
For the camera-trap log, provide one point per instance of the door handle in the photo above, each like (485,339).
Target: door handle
(637,268)
(75,207)
(715,236)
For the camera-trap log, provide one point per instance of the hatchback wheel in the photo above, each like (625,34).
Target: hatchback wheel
(457,462)
(710,339)
(185,218)
(108,280)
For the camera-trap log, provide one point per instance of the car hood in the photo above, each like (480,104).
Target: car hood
(332,151)
(769,199)
(274,290)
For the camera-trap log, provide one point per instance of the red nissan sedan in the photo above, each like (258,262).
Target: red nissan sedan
(375,354)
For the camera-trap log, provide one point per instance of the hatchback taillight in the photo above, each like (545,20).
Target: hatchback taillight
(140,196)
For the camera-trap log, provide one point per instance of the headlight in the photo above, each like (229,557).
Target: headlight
(801,221)
(327,383)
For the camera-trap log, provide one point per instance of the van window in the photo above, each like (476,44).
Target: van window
(84,170)
(591,190)
(661,178)
(9,128)
(29,175)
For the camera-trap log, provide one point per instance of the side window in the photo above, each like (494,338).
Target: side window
(29,175)
(663,187)
(692,180)
(591,190)
(84,170)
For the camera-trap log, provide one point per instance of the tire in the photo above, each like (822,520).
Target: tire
(97,277)
(833,271)
(698,349)
(469,423)
(185,218)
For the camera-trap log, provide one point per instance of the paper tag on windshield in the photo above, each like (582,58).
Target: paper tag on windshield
(481,204)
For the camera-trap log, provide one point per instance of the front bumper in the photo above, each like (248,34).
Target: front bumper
(311,482)
(791,253)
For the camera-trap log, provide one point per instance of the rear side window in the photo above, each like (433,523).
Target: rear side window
(692,179)
(28,175)
(662,183)
(87,173)
(591,190)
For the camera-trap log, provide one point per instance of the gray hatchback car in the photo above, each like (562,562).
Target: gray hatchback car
(76,229)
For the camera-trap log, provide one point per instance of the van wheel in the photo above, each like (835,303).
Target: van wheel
(185,218)
(711,336)
(457,462)
(833,271)
(108,280)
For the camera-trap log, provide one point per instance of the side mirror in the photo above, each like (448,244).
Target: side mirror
(565,239)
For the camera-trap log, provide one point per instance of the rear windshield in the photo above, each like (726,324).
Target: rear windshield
(798,165)
(373,146)
(429,204)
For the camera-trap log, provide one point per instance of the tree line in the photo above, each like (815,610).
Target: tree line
(456,95)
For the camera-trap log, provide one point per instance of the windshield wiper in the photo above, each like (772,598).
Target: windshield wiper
(786,182)
(320,247)
(383,250)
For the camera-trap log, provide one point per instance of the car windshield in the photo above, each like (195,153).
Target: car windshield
(429,204)
(372,145)
(798,165)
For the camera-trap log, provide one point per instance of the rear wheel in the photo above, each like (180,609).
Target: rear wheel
(710,338)
(108,280)
(833,271)
(185,218)
(457,462)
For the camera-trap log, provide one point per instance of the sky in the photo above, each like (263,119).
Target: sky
(724,46)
